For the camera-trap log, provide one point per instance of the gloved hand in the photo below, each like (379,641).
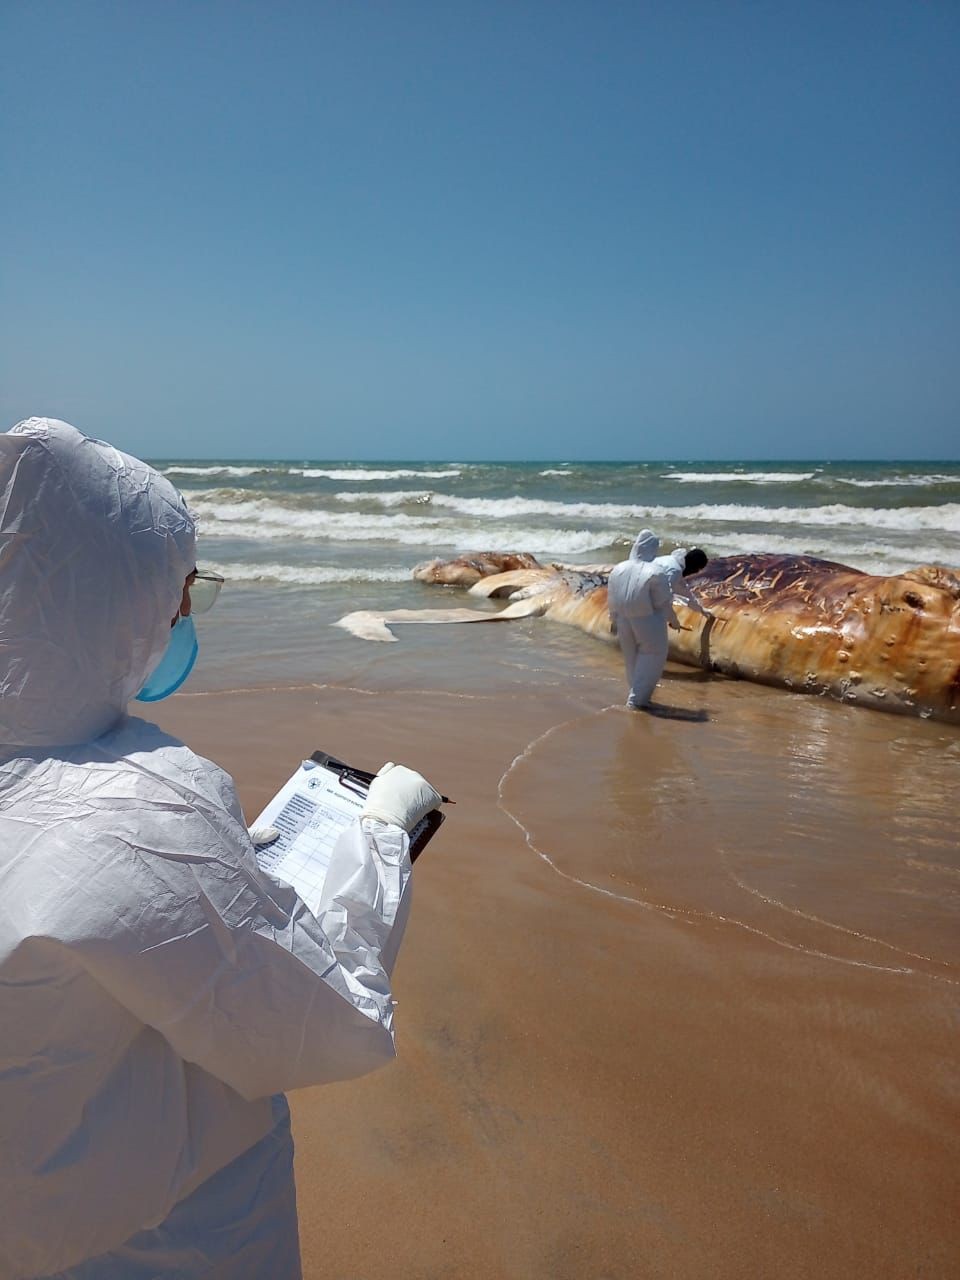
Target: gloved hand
(400,796)
(260,837)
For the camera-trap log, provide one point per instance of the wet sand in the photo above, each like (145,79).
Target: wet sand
(678,996)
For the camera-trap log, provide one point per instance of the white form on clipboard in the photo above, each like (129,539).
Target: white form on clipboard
(310,810)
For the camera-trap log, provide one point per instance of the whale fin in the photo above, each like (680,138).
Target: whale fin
(367,625)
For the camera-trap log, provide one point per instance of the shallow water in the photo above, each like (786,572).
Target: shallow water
(826,826)
(261,635)
(822,827)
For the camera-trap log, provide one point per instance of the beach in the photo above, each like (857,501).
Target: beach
(678,995)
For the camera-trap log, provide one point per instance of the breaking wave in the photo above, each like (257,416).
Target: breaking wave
(261,519)
(392,498)
(224,470)
(740,477)
(357,473)
(894,481)
(943,518)
(310,575)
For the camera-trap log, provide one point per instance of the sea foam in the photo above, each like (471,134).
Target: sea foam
(309,575)
(741,477)
(908,481)
(358,473)
(262,519)
(944,517)
(224,470)
(389,498)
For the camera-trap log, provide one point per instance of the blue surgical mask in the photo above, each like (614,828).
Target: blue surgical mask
(175,665)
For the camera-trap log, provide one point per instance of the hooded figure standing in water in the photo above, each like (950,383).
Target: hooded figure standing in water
(640,601)
(157,991)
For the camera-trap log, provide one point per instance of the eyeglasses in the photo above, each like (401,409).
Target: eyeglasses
(204,589)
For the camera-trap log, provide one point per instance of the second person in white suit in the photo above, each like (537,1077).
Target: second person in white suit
(639,597)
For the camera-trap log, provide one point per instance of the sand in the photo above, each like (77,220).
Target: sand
(673,1000)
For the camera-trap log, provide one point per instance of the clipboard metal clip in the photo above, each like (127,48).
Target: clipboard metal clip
(353,780)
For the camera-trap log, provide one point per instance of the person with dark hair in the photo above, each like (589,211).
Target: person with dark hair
(678,566)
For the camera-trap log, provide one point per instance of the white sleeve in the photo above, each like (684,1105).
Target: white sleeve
(685,594)
(245,982)
(661,597)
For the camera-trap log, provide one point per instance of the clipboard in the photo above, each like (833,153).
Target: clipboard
(318,801)
(422,833)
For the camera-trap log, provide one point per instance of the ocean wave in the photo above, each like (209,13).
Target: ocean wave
(225,505)
(741,477)
(310,575)
(552,472)
(943,518)
(232,504)
(391,498)
(223,470)
(894,481)
(223,511)
(262,520)
(356,473)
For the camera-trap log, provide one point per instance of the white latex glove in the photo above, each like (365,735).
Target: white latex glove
(260,837)
(400,796)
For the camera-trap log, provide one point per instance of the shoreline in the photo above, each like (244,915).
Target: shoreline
(609,1071)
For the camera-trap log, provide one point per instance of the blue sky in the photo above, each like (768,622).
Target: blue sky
(501,230)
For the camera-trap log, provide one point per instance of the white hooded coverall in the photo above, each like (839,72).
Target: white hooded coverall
(640,603)
(155,988)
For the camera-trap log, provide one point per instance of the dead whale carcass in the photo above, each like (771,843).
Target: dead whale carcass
(804,623)
(464,571)
(886,642)
(796,621)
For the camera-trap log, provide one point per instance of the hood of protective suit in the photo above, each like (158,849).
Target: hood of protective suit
(645,547)
(94,550)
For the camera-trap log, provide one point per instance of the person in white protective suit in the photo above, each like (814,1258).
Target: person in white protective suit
(157,991)
(680,565)
(639,598)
